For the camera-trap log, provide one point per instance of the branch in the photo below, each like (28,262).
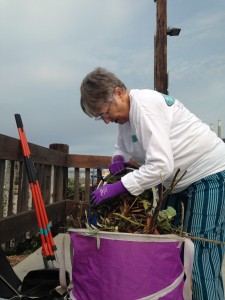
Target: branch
(162,197)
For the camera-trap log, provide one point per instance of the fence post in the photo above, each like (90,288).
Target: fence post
(65,149)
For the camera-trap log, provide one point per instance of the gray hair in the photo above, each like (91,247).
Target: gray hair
(97,89)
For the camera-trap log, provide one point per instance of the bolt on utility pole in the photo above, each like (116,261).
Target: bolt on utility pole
(160,45)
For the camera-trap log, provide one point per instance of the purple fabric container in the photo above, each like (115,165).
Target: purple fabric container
(126,266)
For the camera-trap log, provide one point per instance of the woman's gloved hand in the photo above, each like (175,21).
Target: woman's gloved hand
(108,191)
(118,165)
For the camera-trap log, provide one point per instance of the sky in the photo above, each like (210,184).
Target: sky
(48,46)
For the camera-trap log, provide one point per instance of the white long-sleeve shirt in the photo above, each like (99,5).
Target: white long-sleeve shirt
(162,136)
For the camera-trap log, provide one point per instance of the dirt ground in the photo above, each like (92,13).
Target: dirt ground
(15,259)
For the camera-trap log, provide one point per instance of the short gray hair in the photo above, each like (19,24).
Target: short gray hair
(97,89)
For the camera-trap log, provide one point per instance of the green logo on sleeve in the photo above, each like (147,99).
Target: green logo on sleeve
(169,100)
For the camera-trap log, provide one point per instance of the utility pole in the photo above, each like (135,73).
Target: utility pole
(160,45)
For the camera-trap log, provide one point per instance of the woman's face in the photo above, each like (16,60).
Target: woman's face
(117,111)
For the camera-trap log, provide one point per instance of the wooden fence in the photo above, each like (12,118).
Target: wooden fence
(17,216)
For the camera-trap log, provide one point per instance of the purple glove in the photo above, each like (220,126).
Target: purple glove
(118,165)
(108,191)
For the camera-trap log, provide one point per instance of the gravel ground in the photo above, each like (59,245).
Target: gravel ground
(15,259)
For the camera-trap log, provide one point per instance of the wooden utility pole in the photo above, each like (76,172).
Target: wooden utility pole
(160,51)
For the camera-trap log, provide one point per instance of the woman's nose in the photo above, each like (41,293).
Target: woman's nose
(106,120)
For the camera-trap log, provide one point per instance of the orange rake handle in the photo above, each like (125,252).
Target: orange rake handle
(48,245)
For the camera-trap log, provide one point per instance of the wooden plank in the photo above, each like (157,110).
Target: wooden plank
(16,226)
(25,192)
(2,179)
(20,188)
(48,156)
(58,184)
(65,182)
(99,176)
(47,182)
(87,185)
(76,184)
(10,149)
(88,161)
(10,199)
(39,173)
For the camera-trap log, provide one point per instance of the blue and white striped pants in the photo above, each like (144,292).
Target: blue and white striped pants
(205,217)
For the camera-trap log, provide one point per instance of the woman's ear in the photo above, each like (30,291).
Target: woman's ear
(119,92)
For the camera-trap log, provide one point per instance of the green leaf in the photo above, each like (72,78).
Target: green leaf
(170,212)
(146,204)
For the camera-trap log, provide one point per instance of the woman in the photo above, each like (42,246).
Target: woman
(163,136)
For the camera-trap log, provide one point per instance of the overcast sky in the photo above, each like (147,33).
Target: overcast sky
(48,46)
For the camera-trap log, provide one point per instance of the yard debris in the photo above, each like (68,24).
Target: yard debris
(141,214)
(127,213)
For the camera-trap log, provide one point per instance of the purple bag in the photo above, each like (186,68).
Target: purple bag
(121,266)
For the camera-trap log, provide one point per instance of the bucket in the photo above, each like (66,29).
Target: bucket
(123,266)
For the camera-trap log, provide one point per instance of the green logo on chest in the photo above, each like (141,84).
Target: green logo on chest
(134,138)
